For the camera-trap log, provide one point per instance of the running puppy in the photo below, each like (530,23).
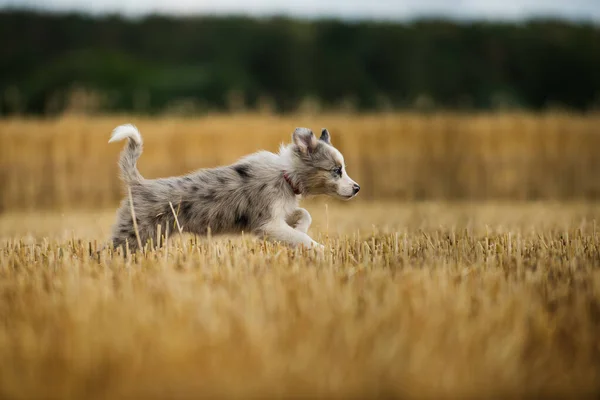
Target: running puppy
(257,194)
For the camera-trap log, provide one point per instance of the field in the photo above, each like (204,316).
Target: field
(416,300)
(67,163)
(420,294)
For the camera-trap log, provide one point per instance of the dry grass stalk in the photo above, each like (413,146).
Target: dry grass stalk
(135,225)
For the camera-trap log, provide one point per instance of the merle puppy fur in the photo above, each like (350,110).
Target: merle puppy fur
(257,194)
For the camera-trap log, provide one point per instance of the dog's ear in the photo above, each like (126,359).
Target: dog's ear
(325,136)
(305,140)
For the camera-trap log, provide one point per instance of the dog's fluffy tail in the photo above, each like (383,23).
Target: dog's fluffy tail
(130,153)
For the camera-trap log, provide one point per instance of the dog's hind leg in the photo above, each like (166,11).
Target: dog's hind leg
(300,220)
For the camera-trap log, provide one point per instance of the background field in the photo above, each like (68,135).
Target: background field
(468,265)
(67,163)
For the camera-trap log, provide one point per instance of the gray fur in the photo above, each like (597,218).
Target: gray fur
(128,160)
(325,136)
(251,195)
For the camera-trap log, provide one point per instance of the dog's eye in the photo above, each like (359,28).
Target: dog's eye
(337,171)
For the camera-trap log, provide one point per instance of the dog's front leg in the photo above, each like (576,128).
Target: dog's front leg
(281,231)
(300,220)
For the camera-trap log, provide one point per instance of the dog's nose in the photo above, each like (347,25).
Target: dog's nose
(356,188)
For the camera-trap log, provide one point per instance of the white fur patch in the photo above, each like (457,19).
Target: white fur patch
(338,156)
(127,131)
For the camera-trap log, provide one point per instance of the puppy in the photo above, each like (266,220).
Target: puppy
(258,194)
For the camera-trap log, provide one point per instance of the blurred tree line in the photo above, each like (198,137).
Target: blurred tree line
(50,62)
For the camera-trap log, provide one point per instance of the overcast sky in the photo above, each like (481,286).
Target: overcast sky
(351,9)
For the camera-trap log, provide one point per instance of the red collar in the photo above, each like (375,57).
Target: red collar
(289,181)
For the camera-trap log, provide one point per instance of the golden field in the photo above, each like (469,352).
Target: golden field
(468,266)
(427,300)
(67,163)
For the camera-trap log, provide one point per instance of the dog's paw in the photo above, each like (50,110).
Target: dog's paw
(319,248)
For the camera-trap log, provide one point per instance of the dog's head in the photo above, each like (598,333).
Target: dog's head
(319,167)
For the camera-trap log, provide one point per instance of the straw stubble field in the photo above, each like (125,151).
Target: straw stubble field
(431,299)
